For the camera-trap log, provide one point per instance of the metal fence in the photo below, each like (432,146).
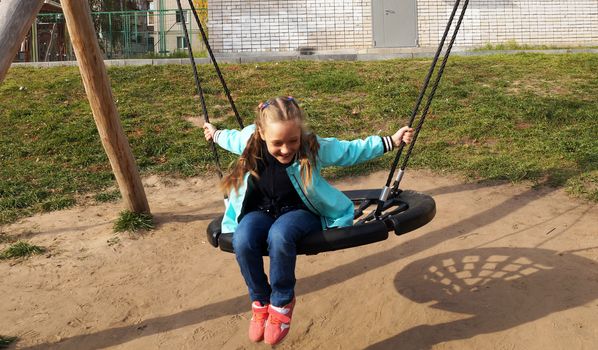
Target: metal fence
(121,35)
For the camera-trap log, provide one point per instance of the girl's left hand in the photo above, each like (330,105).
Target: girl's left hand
(404,134)
(208,131)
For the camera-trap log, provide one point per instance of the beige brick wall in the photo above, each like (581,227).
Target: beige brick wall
(286,25)
(533,22)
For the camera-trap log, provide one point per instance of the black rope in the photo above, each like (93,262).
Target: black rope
(199,89)
(386,191)
(434,87)
(423,90)
(218,72)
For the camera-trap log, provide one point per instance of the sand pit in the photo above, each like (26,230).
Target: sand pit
(500,267)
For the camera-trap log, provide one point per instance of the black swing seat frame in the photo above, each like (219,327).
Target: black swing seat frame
(405,212)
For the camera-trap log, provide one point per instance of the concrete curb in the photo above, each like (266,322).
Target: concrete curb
(345,55)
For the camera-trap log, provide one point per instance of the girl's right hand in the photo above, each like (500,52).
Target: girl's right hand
(208,131)
(404,134)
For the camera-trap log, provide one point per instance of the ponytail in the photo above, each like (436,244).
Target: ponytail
(307,157)
(247,162)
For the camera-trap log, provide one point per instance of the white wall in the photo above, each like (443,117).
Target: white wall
(285,25)
(533,22)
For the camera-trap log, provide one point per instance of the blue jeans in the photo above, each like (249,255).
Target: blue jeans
(257,231)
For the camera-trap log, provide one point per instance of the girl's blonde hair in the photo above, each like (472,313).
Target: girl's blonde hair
(274,110)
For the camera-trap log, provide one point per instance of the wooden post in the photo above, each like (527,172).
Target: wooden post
(99,94)
(16,17)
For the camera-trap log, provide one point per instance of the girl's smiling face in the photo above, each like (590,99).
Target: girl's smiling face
(283,139)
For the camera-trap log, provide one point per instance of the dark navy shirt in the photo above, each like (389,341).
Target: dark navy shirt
(273,191)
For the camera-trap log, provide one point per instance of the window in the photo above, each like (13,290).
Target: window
(150,44)
(180,15)
(151,17)
(181,42)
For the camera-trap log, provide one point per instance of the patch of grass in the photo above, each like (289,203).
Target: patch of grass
(332,79)
(58,203)
(5,341)
(584,186)
(129,221)
(4,238)
(512,117)
(109,196)
(514,45)
(113,241)
(21,249)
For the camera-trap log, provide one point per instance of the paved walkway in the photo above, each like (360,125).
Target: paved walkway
(337,55)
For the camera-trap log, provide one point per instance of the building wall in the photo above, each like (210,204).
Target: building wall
(287,25)
(173,30)
(533,22)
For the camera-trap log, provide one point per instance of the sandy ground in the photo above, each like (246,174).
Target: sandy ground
(500,267)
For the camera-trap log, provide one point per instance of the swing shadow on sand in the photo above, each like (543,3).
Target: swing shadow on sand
(499,288)
(237,305)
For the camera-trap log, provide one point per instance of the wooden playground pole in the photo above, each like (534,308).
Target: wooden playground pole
(16,17)
(99,94)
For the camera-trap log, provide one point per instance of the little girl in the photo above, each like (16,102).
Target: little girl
(277,196)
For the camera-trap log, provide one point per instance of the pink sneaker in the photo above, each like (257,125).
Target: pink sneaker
(278,323)
(258,318)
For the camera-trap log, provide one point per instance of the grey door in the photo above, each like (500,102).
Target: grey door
(394,23)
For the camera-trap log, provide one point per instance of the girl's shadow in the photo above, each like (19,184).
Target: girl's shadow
(500,288)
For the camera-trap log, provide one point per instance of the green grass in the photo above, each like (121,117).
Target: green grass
(4,238)
(514,45)
(524,117)
(5,341)
(133,222)
(21,250)
(108,196)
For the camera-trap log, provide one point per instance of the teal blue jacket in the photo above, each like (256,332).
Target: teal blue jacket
(333,207)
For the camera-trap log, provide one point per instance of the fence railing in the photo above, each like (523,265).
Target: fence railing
(121,35)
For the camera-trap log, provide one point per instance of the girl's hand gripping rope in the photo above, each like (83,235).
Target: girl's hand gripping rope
(208,131)
(404,134)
